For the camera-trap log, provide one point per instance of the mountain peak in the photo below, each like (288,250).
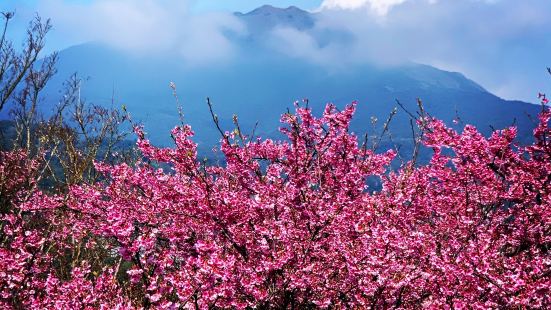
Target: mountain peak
(268,16)
(267,10)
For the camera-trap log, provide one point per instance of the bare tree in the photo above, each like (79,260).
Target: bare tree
(75,133)
(16,65)
(78,134)
(25,110)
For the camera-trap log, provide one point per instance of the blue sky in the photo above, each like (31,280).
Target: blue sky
(502,44)
(199,5)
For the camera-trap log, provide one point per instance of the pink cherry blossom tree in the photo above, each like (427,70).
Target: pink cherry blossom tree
(288,224)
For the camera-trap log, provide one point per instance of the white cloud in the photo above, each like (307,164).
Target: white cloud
(380,7)
(146,27)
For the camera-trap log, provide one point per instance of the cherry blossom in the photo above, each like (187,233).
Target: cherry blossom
(288,224)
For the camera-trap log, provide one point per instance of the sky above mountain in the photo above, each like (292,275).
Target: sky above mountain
(502,44)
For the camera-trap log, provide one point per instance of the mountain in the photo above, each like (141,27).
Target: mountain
(261,84)
(267,17)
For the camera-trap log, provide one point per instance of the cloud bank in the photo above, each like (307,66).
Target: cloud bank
(503,44)
(381,7)
(146,27)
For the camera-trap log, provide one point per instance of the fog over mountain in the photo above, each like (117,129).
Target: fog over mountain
(501,44)
(266,60)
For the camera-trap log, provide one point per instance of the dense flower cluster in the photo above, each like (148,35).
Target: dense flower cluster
(287,224)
